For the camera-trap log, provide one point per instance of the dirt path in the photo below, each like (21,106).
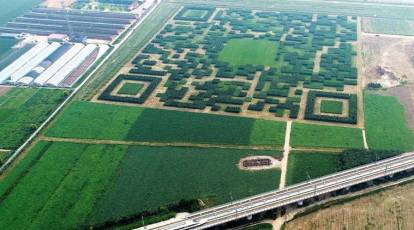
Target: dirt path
(286,150)
(365,139)
(361,76)
(159,144)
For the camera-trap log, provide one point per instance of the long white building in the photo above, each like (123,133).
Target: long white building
(21,61)
(59,64)
(35,61)
(71,65)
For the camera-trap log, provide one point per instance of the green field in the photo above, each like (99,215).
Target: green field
(12,9)
(385,124)
(306,135)
(22,110)
(130,88)
(60,189)
(101,121)
(388,26)
(329,106)
(303,166)
(153,176)
(249,51)
(68,186)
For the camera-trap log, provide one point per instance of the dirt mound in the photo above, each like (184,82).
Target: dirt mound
(258,163)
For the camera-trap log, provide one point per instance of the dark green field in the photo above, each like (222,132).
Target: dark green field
(67,185)
(22,110)
(303,166)
(152,176)
(101,121)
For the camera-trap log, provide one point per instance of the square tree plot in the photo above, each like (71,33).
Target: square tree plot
(195,14)
(316,107)
(112,92)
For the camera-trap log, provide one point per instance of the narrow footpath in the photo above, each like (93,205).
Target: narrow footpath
(286,150)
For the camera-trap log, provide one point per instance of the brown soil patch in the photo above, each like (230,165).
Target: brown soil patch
(4,90)
(258,163)
(389,209)
(388,59)
(405,95)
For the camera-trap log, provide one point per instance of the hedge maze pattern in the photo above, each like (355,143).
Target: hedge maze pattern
(313,52)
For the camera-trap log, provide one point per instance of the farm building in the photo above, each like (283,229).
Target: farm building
(52,64)
(73,23)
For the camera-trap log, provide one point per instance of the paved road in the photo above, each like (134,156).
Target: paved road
(289,195)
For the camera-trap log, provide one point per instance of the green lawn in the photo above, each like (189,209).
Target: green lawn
(385,124)
(60,189)
(307,135)
(303,166)
(130,88)
(22,110)
(329,106)
(249,51)
(194,13)
(101,121)
(153,176)
(388,26)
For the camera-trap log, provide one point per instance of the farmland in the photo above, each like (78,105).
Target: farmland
(173,170)
(111,122)
(304,166)
(385,124)
(50,188)
(23,110)
(307,135)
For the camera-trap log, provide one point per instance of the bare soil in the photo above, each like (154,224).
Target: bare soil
(389,209)
(388,59)
(4,90)
(275,163)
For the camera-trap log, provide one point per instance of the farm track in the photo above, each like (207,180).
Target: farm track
(158,144)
